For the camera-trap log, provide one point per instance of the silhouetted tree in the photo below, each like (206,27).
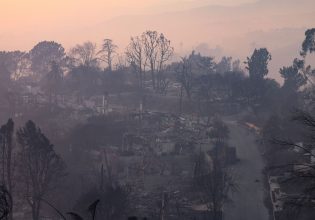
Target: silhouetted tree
(293,76)
(84,55)
(214,184)
(300,173)
(257,64)
(308,46)
(165,52)
(150,40)
(108,51)
(40,167)
(43,54)
(15,62)
(151,50)
(309,42)
(137,58)
(52,82)
(225,65)
(184,75)
(201,65)
(236,66)
(7,168)
(5,203)
(158,50)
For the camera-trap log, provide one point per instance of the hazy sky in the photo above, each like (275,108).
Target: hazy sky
(32,19)
(215,27)
(30,13)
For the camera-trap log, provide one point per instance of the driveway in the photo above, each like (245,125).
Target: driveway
(248,202)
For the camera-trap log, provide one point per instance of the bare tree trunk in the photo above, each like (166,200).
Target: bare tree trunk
(108,168)
(9,178)
(36,210)
(6,147)
(181,100)
(163,207)
(153,78)
(3,158)
(140,80)
(109,58)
